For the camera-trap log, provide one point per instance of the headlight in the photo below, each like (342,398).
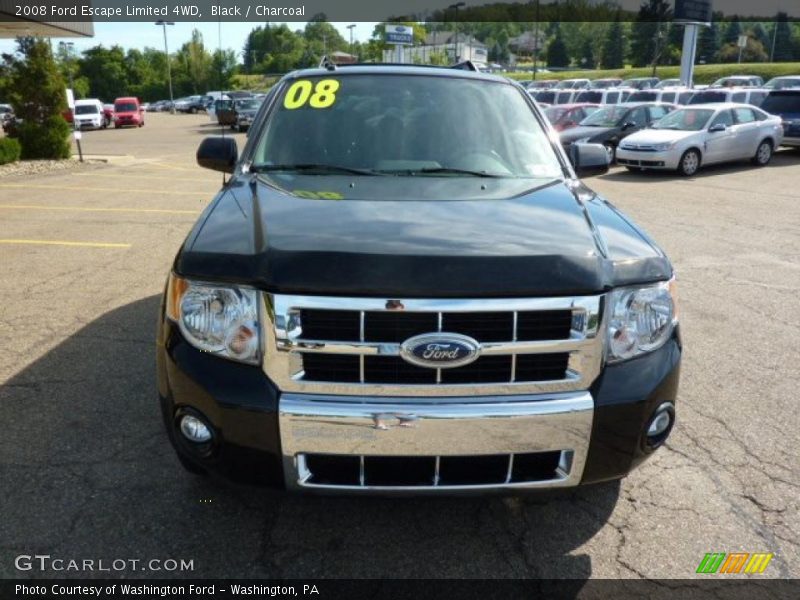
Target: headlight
(219,319)
(663,146)
(641,319)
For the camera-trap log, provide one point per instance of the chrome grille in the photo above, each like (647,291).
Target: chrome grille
(351,346)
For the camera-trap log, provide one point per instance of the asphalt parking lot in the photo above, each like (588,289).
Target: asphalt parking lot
(87,471)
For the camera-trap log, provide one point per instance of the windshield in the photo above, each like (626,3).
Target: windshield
(248,104)
(125,107)
(546,97)
(705,97)
(554,113)
(605,83)
(782,104)
(685,119)
(607,116)
(588,96)
(406,125)
(782,84)
(643,96)
(86,109)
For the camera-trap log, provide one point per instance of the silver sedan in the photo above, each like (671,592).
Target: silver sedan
(703,134)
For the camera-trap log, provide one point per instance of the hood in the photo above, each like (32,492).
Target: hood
(581,131)
(417,237)
(657,136)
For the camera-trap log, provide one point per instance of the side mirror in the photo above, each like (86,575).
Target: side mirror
(218,154)
(628,125)
(589,159)
(717,127)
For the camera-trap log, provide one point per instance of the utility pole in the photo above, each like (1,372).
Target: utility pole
(164,24)
(774,38)
(536,42)
(66,48)
(350,27)
(456,6)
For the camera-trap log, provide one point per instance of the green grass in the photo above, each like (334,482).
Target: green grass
(703,74)
(256,83)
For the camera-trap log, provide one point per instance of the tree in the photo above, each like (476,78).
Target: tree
(557,55)
(784,45)
(38,96)
(753,52)
(586,58)
(708,44)
(191,67)
(106,72)
(323,38)
(732,32)
(614,47)
(647,38)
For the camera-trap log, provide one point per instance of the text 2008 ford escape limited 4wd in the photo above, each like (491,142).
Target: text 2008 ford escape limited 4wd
(405,288)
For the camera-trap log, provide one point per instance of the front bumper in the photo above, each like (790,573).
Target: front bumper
(793,141)
(648,160)
(90,123)
(266,437)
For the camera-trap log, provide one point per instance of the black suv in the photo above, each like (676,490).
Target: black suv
(786,104)
(404,287)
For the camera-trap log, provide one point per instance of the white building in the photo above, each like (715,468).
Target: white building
(455,47)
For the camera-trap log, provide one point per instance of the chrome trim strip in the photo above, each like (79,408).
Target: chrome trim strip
(328,424)
(391,349)
(284,346)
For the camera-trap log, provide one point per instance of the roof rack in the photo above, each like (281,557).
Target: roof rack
(465,65)
(327,63)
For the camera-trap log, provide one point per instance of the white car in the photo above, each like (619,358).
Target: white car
(705,134)
(88,114)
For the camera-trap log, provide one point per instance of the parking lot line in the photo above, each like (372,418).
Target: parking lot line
(95,189)
(89,209)
(148,177)
(66,243)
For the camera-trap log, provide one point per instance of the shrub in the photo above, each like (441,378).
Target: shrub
(9,150)
(37,94)
(45,140)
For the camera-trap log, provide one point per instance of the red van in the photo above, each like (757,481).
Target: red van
(128,113)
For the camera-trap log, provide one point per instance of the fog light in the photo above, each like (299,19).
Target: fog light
(194,430)
(660,425)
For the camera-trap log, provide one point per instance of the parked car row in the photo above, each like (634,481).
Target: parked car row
(711,128)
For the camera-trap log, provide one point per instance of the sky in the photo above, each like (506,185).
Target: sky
(141,35)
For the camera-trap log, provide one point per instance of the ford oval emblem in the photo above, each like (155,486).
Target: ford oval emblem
(440,350)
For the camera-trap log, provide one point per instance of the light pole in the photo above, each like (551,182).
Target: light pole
(456,6)
(164,24)
(66,48)
(536,42)
(350,27)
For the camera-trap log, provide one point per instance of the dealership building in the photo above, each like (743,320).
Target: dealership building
(13,26)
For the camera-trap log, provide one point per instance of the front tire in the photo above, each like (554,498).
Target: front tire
(763,154)
(689,163)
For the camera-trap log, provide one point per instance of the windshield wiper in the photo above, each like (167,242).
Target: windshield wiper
(318,167)
(437,170)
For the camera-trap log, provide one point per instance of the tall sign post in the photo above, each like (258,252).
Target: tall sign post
(693,14)
(399,36)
